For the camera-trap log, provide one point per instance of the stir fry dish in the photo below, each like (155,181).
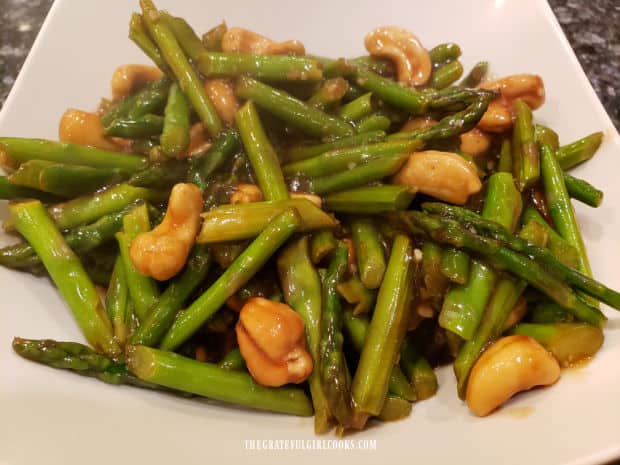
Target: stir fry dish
(257,225)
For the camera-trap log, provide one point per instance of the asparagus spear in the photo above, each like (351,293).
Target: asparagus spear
(10,191)
(77,358)
(452,233)
(385,334)
(22,150)
(150,99)
(455,265)
(90,208)
(525,154)
(233,360)
(381,66)
(369,200)
(161,316)
(184,73)
(202,168)
(583,191)
(291,110)
(303,152)
(246,220)
(369,252)
(444,53)
(390,91)
(323,243)
(445,75)
(81,239)
(141,127)
(139,35)
(356,109)
(464,306)
(548,312)
(302,291)
(435,283)
(539,254)
(503,300)
(560,207)
(116,301)
(261,153)
(556,244)
(65,269)
(268,67)
(475,75)
(570,343)
(63,180)
(240,272)
(335,376)
(185,35)
(206,379)
(354,292)
(394,408)
(347,158)
(504,164)
(175,132)
(581,150)
(329,94)
(356,329)
(142,289)
(374,122)
(373,170)
(418,370)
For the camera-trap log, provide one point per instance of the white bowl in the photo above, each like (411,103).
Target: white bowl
(53,417)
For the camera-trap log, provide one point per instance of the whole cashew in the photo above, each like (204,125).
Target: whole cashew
(82,128)
(220,92)
(500,113)
(241,40)
(272,342)
(443,175)
(162,252)
(127,78)
(419,122)
(512,364)
(412,61)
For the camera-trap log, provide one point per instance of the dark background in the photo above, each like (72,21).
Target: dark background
(592,27)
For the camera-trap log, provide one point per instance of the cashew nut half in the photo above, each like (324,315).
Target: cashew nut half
(220,92)
(245,193)
(162,252)
(127,78)
(443,175)
(411,59)
(272,342)
(475,142)
(512,364)
(500,113)
(241,40)
(83,128)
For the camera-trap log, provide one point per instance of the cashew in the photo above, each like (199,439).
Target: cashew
(419,122)
(500,113)
(512,364)
(221,94)
(199,141)
(443,175)
(475,142)
(412,61)
(272,342)
(162,252)
(80,127)
(128,78)
(241,40)
(315,199)
(245,193)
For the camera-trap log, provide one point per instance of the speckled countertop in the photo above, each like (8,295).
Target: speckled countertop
(592,28)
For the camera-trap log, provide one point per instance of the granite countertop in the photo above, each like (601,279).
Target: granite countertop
(592,29)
